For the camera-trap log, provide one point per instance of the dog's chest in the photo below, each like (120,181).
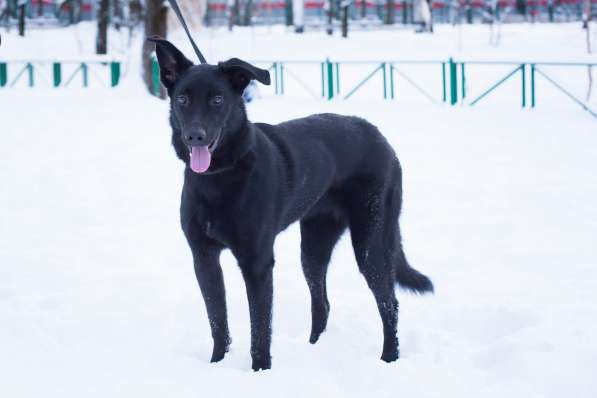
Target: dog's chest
(231,223)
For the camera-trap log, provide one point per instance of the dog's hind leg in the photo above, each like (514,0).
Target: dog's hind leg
(372,240)
(319,235)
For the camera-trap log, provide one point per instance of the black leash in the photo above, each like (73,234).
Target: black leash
(174,6)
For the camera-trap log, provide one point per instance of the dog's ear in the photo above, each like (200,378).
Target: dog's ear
(172,62)
(240,73)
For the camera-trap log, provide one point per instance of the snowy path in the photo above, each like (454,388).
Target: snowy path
(98,296)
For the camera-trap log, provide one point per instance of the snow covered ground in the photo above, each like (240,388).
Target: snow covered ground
(98,296)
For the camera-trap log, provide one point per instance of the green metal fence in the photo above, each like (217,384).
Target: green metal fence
(454,83)
(32,71)
(525,70)
(453,75)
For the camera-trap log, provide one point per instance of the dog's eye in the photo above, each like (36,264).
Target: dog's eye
(216,100)
(182,99)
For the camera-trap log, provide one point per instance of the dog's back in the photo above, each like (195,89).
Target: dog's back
(352,147)
(328,154)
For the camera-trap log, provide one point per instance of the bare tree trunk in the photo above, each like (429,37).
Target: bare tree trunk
(330,16)
(234,19)
(135,17)
(248,13)
(118,14)
(390,12)
(22,20)
(101,41)
(344,4)
(586,14)
(155,24)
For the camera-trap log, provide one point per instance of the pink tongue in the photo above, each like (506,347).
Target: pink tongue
(200,159)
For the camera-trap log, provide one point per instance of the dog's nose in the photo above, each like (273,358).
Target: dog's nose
(195,136)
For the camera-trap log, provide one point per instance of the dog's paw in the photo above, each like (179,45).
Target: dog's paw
(390,355)
(314,337)
(319,325)
(220,350)
(262,363)
(217,355)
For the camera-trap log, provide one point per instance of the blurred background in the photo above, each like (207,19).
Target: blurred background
(127,18)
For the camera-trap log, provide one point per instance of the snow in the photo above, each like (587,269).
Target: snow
(97,292)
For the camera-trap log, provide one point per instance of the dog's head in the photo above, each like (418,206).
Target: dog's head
(206,100)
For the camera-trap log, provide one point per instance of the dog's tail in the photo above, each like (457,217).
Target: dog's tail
(409,278)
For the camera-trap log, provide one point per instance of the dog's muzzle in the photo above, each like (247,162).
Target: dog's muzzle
(194,136)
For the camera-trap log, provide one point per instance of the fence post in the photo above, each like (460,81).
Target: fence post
(30,73)
(463,80)
(281,78)
(532,85)
(323,80)
(392,81)
(444,81)
(385,84)
(114,73)
(453,83)
(524,85)
(330,69)
(57,73)
(85,74)
(3,74)
(276,86)
(337,77)
(155,76)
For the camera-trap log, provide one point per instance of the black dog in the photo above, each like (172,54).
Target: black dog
(245,182)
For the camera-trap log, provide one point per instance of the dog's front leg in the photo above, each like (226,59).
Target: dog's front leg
(211,282)
(206,259)
(257,272)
